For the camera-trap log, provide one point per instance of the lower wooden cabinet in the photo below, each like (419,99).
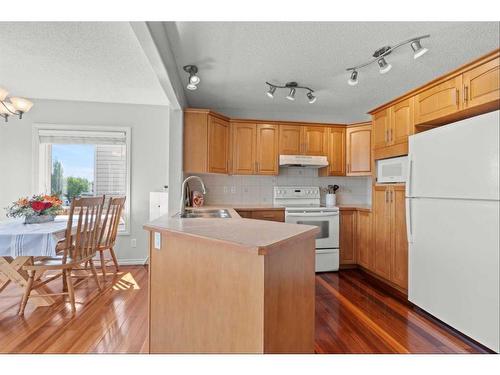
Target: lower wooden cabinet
(348,236)
(271,215)
(390,246)
(364,239)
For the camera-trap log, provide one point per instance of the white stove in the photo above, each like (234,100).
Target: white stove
(302,206)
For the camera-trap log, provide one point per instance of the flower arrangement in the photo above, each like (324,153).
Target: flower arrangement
(37,209)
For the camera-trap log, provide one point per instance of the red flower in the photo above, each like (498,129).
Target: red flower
(38,205)
(47,205)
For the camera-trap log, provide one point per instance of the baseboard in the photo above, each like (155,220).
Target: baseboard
(384,285)
(133,262)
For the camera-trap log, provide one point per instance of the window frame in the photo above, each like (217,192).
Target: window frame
(39,165)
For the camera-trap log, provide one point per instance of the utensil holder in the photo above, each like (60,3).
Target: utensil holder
(330,200)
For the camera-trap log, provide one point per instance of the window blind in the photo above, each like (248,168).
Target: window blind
(81,137)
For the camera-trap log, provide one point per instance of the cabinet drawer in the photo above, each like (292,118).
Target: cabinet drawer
(271,215)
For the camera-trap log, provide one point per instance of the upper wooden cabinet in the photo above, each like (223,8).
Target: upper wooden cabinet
(358,150)
(481,84)
(336,139)
(290,140)
(315,140)
(255,148)
(206,142)
(438,101)
(391,128)
(267,141)
(390,258)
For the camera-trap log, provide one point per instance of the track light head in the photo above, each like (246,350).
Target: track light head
(383,65)
(417,48)
(311,97)
(271,91)
(291,94)
(193,79)
(353,81)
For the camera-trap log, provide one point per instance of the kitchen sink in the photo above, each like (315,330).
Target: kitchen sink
(206,214)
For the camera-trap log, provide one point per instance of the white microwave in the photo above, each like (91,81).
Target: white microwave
(392,170)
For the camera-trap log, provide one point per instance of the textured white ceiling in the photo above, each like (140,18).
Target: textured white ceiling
(88,61)
(236,58)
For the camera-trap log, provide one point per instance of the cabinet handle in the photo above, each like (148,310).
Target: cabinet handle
(385,195)
(392,195)
(390,135)
(457,96)
(385,136)
(348,167)
(466,94)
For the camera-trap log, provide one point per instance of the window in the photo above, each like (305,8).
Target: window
(83,161)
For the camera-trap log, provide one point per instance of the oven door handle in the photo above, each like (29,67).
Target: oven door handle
(318,214)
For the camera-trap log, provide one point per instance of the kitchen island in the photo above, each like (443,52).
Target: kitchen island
(231,286)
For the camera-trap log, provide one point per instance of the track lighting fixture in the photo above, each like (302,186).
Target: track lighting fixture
(193,79)
(15,106)
(271,91)
(292,87)
(353,81)
(311,97)
(380,55)
(291,94)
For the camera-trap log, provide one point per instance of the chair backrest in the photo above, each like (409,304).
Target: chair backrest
(81,243)
(111,222)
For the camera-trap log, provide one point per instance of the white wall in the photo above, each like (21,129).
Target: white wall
(149,156)
(259,189)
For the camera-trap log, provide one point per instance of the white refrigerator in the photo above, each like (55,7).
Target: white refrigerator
(452,208)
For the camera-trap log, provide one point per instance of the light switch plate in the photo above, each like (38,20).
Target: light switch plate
(157,244)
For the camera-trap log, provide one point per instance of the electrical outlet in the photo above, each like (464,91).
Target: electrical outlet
(233,189)
(226,190)
(133,242)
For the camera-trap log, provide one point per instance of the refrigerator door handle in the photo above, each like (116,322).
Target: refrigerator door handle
(408,180)
(409,234)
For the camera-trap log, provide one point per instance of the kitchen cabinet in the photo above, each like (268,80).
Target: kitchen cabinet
(347,237)
(290,139)
(481,84)
(255,148)
(358,150)
(303,140)
(391,128)
(206,142)
(336,139)
(258,214)
(438,101)
(364,239)
(390,257)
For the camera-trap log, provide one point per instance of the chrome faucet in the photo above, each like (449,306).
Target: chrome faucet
(183,192)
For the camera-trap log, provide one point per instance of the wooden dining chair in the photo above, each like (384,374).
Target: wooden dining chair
(109,231)
(80,247)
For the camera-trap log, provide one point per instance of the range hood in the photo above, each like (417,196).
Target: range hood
(303,161)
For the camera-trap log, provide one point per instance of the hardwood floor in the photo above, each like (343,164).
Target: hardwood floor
(352,316)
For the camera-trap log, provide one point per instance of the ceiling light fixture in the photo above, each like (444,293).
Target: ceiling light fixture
(292,87)
(380,55)
(353,81)
(193,79)
(13,106)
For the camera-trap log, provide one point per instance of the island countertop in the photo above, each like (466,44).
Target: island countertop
(252,235)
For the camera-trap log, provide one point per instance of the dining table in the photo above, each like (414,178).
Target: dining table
(20,243)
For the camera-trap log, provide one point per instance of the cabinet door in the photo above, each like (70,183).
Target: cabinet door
(244,135)
(358,156)
(399,266)
(363,240)
(218,145)
(382,232)
(336,152)
(315,138)
(482,84)
(401,122)
(267,149)
(438,101)
(380,125)
(347,237)
(290,142)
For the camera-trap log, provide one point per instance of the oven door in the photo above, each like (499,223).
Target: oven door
(327,222)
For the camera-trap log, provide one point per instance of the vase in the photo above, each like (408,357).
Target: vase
(37,219)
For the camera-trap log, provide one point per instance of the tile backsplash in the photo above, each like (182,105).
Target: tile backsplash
(222,189)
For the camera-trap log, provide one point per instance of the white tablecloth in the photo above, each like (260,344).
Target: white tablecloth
(19,239)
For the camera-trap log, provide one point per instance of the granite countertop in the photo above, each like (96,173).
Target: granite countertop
(252,235)
(358,207)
